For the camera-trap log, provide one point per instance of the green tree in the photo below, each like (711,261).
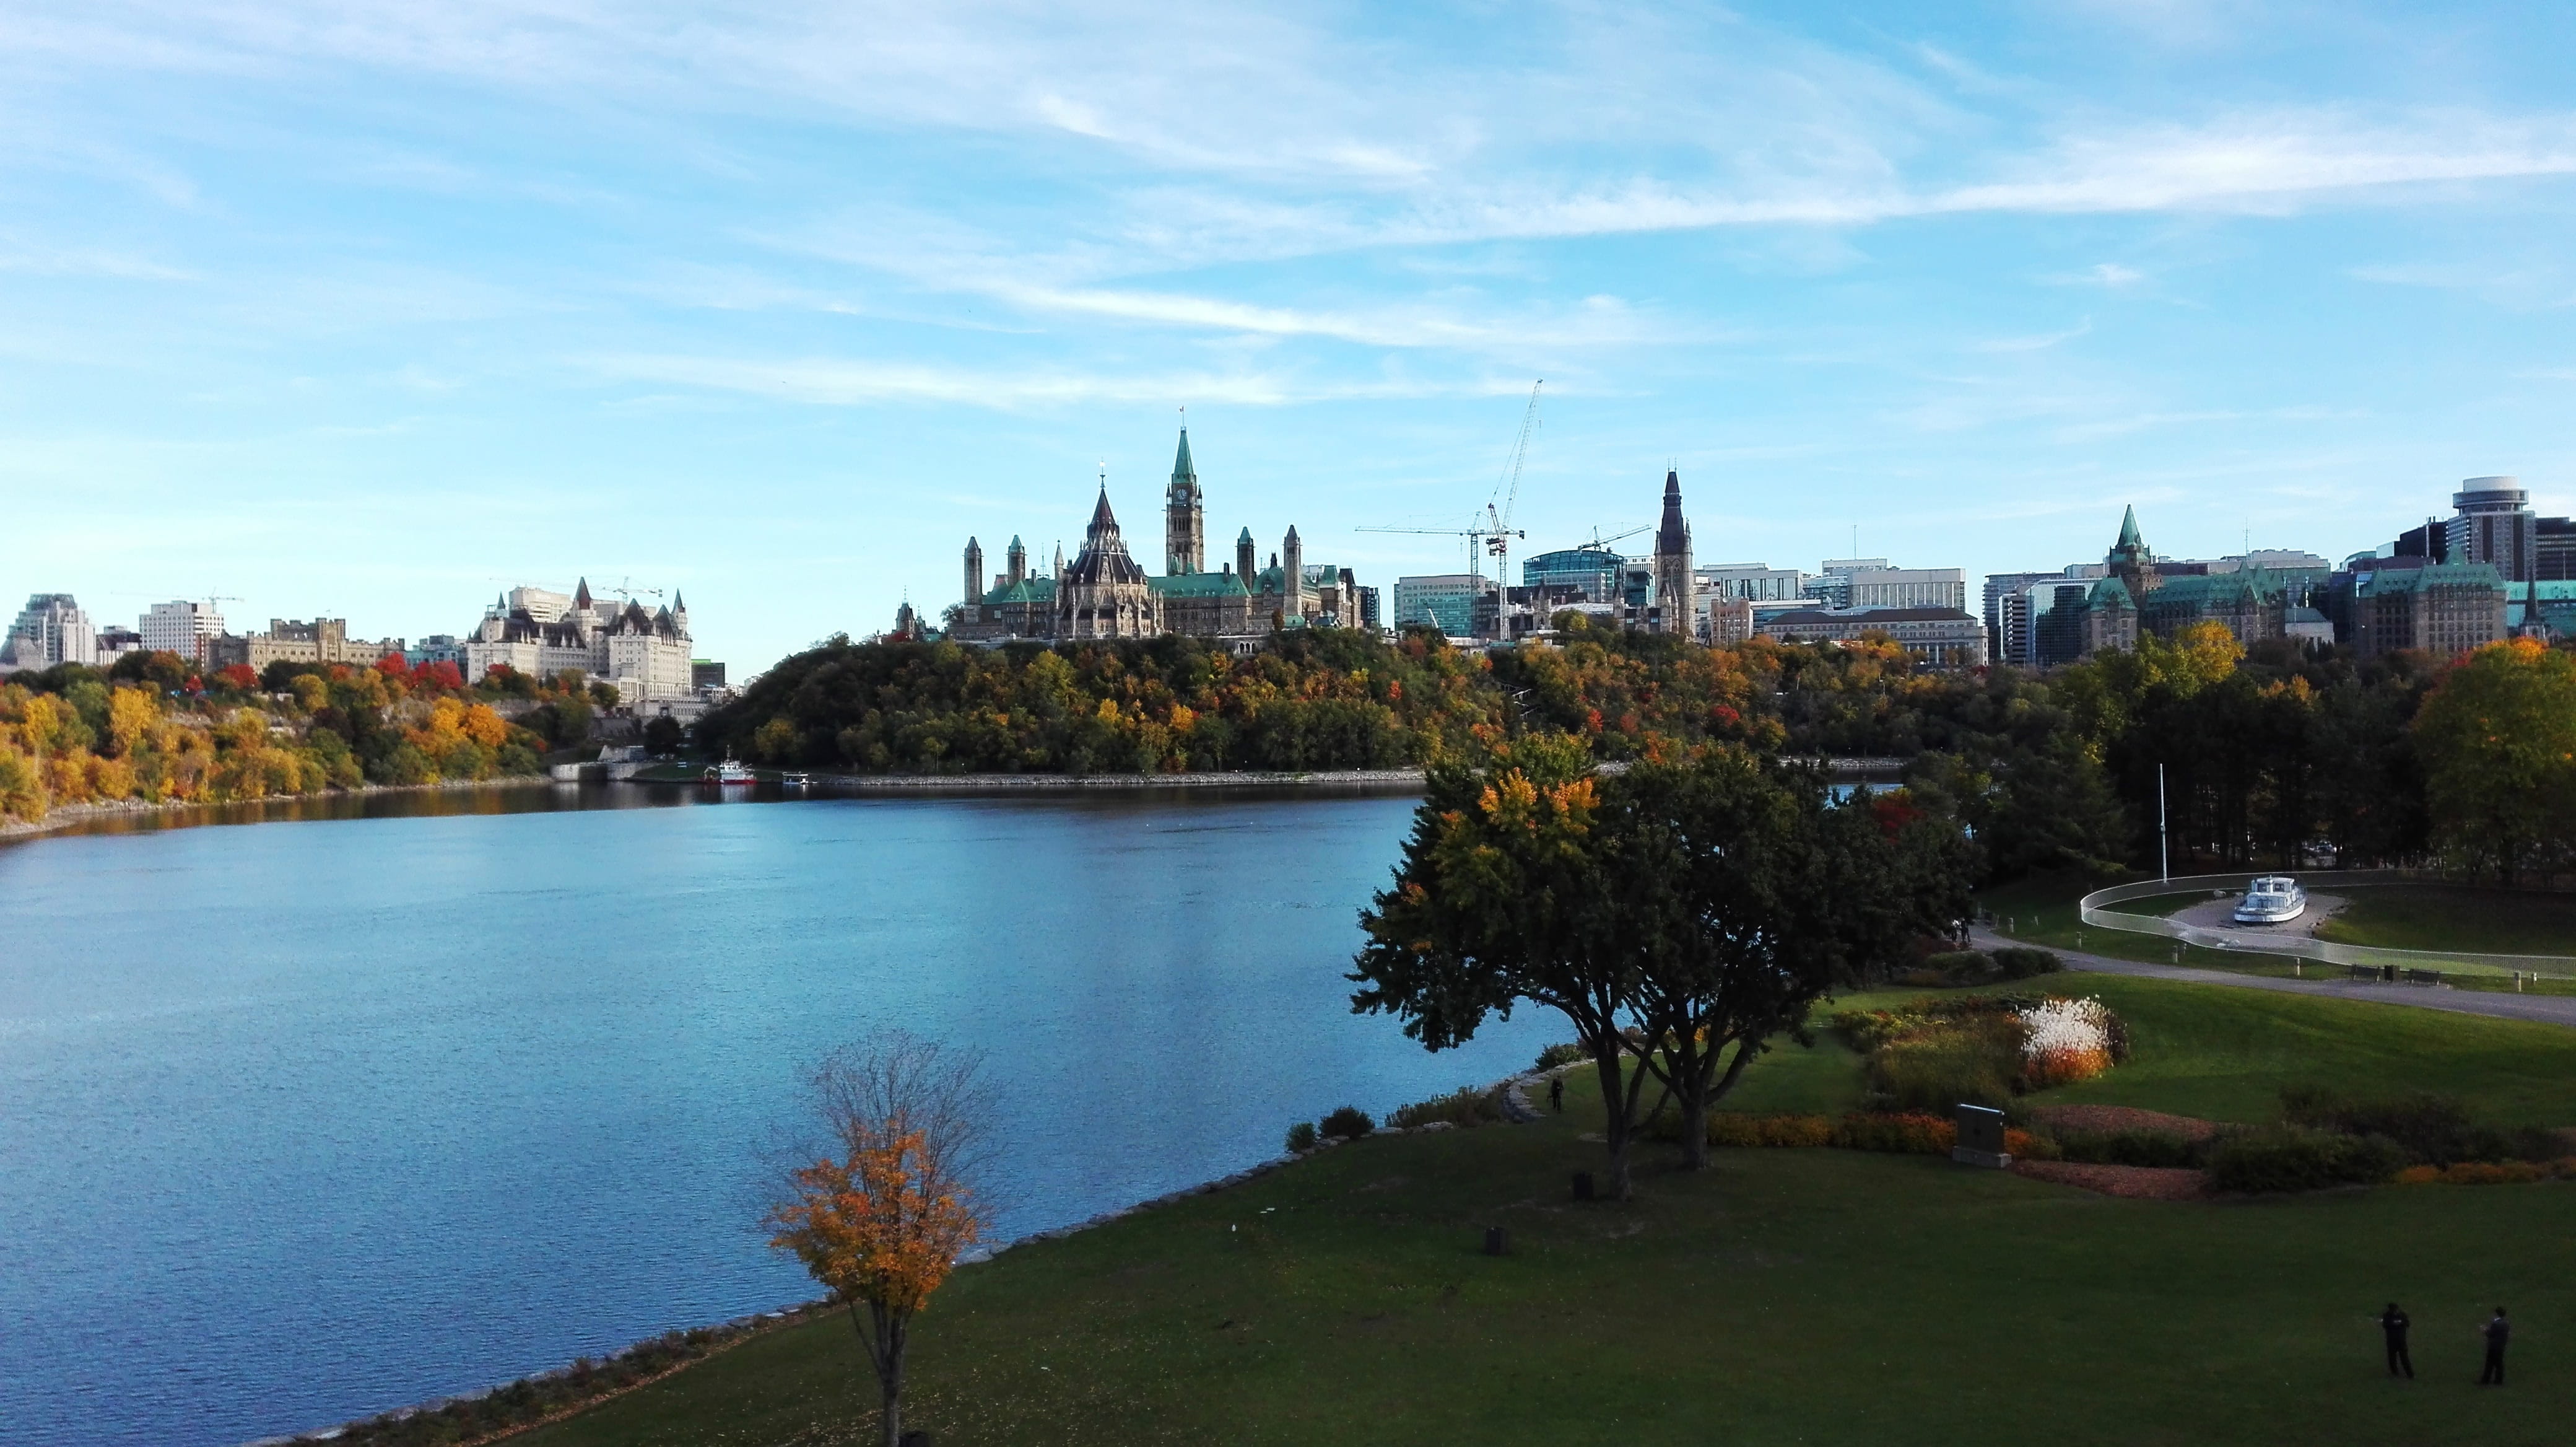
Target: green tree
(1505,894)
(2498,739)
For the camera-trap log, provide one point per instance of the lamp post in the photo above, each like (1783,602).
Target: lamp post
(2164,851)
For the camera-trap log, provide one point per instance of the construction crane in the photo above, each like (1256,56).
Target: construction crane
(1596,541)
(1490,530)
(1498,525)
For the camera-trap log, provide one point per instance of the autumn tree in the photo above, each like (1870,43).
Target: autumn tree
(1507,894)
(2498,740)
(879,1200)
(1745,894)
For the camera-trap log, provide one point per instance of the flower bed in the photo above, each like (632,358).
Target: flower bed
(1899,1133)
(2489,1173)
(1933,1054)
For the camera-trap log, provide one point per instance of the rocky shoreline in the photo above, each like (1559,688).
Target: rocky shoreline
(75,816)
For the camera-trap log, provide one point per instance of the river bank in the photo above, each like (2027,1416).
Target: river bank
(141,814)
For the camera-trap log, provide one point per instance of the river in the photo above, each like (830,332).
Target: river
(306,1120)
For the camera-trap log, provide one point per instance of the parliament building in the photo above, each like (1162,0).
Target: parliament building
(1105,593)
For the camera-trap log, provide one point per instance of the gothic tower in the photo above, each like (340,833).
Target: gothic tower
(1292,576)
(974,570)
(1017,561)
(1184,517)
(1246,566)
(1104,594)
(2131,562)
(1675,594)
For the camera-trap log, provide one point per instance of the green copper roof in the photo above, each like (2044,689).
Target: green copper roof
(1027,590)
(2110,593)
(1198,585)
(2129,529)
(2439,575)
(1181,468)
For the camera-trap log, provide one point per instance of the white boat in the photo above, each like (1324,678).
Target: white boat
(2273,899)
(796,781)
(729,773)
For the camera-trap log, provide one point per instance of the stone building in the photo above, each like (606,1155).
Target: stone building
(1106,593)
(540,633)
(2443,608)
(292,640)
(1676,591)
(1939,637)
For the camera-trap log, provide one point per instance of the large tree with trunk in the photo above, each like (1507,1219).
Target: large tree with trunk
(879,1206)
(1681,915)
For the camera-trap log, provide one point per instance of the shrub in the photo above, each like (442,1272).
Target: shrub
(1944,1071)
(1301,1137)
(2132,1148)
(2023,1145)
(1348,1123)
(1905,1133)
(1959,967)
(1730,1128)
(2068,1040)
(2433,1130)
(1463,1107)
(1565,1054)
(2294,1158)
(2020,962)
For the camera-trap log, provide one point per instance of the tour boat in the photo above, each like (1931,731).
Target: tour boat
(796,781)
(728,773)
(2273,899)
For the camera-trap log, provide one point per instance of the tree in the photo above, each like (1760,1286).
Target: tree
(884,1202)
(1505,894)
(2498,739)
(662,734)
(1745,896)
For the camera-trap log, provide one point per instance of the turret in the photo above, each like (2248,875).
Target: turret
(1244,563)
(974,570)
(1292,575)
(680,612)
(1017,560)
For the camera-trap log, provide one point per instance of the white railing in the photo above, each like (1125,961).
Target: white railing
(2464,962)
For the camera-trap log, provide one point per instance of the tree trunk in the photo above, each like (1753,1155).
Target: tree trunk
(1614,1112)
(1694,1129)
(892,1379)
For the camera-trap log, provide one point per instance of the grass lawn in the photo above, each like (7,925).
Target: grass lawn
(1784,1296)
(2441,917)
(2041,911)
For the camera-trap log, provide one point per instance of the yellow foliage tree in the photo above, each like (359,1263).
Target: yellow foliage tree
(880,1217)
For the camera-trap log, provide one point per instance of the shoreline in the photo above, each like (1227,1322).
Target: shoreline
(1518,1109)
(75,816)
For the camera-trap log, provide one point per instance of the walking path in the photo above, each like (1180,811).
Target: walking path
(2548,1009)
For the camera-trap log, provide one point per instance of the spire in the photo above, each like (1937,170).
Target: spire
(1672,533)
(2129,529)
(581,595)
(678,603)
(1292,534)
(1244,537)
(1101,516)
(1183,472)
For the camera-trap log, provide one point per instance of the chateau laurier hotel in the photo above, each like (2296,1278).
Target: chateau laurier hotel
(1105,593)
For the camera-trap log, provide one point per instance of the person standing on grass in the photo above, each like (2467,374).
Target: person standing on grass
(2392,1325)
(2499,1331)
(1556,1094)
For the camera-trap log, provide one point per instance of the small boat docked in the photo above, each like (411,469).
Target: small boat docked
(2272,899)
(728,773)
(796,781)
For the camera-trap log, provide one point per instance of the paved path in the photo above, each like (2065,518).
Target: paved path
(2548,1009)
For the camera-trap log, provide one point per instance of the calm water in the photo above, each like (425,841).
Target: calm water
(304,1121)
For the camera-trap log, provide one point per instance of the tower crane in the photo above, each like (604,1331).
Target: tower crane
(1489,529)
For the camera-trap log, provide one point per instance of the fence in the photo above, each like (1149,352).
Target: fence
(2387,963)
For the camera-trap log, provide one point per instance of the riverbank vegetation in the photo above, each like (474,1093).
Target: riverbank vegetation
(2265,756)
(152,730)
(1829,1296)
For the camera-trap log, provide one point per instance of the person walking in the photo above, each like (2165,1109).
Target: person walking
(1556,1094)
(2499,1331)
(2392,1325)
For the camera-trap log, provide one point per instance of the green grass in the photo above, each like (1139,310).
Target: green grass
(2442,917)
(2042,911)
(1783,1296)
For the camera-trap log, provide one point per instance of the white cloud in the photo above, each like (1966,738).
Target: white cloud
(2039,343)
(840,382)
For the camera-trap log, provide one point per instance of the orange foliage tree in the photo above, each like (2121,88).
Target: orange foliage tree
(880,1215)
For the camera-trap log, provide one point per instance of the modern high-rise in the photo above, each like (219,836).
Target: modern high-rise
(2496,526)
(182,627)
(1446,601)
(51,629)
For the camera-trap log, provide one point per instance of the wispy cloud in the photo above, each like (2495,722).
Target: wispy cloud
(837,382)
(2039,343)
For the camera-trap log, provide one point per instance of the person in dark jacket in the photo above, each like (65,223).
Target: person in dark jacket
(2392,1325)
(1556,1094)
(2499,1331)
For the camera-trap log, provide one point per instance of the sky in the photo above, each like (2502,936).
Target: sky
(372,310)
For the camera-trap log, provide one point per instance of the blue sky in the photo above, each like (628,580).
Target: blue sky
(370,309)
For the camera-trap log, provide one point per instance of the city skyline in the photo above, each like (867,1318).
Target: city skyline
(374,313)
